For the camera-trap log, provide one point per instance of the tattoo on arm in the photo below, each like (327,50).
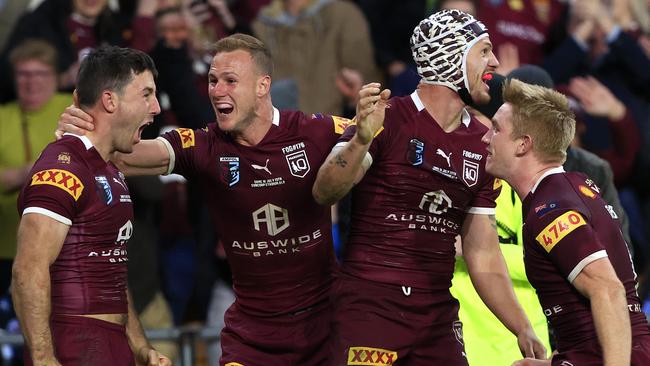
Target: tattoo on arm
(493,221)
(338,160)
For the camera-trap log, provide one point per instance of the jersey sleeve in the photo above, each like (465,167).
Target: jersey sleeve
(57,188)
(569,240)
(484,201)
(186,147)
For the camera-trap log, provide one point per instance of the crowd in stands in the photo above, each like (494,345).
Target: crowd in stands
(597,52)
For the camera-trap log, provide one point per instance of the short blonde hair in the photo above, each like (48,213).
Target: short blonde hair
(256,48)
(34,49)
(544,115)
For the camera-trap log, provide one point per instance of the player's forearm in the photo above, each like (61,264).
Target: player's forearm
(340,172)
(30,291)
(149,157)
(492,283)
(135,334)
(612,321)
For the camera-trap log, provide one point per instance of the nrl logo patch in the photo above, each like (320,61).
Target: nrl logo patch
(229,166)
(298,163)
(470,172)
(415,153)
(104,189)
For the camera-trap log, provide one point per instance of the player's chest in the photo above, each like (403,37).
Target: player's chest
(282,166)
(109,194)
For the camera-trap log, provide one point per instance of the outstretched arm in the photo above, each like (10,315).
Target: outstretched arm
(598,282)
(40,239)
(343,167)
(149,157)
(489,274)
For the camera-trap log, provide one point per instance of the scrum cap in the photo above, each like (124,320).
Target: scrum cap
(440,44)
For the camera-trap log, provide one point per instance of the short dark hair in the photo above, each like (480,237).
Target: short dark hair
(110,68)
(256,48)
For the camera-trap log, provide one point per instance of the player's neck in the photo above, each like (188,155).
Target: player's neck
(101,139)
(255,131)
(443,104)
(525,176)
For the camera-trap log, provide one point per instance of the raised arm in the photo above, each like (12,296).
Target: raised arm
(149,157)
(40,239)
(344,166)
(598,282)
(489,274)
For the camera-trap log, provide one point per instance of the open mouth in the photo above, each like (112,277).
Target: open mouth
(224,108)
(142,127)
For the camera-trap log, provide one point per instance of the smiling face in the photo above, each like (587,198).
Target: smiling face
(235,86)
(35,83)
(136,108)
(480,62)
(502,147)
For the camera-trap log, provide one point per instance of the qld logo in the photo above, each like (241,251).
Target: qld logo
(298,163)
(470,172)
(229,166)
(104,189)
(415,154)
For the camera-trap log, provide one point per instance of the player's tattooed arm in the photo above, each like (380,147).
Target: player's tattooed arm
(493,221)
(339,161)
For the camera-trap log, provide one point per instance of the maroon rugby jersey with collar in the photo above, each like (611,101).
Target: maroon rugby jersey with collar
(71,183)
(412,201)
(277,238)
(567,225)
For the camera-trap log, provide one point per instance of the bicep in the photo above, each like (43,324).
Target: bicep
(594,276)
(479,232)
(40,239)
(149,157)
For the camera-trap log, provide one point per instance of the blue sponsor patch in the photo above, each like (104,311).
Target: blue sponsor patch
(415,153)
(104,189)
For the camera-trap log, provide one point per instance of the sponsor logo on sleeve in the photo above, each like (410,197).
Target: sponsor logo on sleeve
(415,153)
(544,208)
(586,191)
(59,178)
(64,158)
(234,364)
(562,226)
(104,189)
(187,137)
(368,356)
(229,169)
(340,124)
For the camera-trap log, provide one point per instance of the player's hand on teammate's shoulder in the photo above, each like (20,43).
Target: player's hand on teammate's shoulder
(371,109)
(74,120)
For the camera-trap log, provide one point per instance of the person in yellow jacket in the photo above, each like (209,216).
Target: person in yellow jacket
(487,341)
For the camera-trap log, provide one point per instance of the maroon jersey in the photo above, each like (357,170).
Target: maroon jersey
(71,183)
(567,225)
(411,203)
(277,238)
(520,23)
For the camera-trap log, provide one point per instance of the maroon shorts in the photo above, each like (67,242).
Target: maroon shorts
(81,341)
(378,324)
(590,354)
(300,339)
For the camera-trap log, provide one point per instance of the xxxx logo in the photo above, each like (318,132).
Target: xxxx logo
(371,356)
(59,178)
(340,124)
(187,137)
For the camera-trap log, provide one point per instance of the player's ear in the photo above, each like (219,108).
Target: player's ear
(263,85)
(524,145)
(109,101)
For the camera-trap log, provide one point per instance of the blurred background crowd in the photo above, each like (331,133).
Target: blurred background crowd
(597,52)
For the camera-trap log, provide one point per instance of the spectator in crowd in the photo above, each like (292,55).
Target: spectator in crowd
(76,26)
(323,46)
(24,132)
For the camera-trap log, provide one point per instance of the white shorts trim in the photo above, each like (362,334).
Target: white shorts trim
(53,215)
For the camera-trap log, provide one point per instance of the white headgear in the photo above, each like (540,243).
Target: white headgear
(440,44)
